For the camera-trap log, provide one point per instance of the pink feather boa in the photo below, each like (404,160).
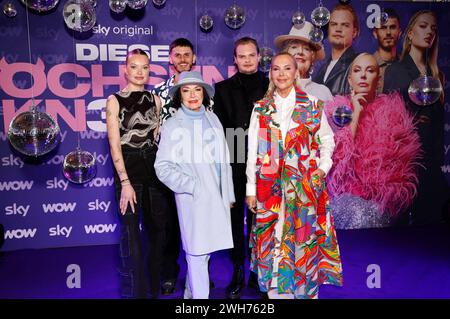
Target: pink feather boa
(380,163)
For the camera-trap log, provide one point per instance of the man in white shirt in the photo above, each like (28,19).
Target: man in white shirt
(343,28)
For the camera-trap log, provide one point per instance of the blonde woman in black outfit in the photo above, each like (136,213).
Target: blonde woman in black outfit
(132,118)
(419,57)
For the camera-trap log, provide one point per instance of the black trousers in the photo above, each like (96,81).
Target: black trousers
(238,214)
(170,267)
(142,234)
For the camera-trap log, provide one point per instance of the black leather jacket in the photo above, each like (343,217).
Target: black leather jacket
(337,80)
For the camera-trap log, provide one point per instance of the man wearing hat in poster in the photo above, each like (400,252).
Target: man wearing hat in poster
(298,43)
(193,161)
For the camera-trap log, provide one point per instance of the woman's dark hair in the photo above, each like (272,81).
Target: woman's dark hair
(176,100)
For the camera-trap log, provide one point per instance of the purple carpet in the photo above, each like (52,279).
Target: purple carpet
(411,263)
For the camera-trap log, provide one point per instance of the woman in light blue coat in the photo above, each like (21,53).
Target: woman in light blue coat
(193,161)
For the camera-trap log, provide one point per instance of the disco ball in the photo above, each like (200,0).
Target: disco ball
(206,22)
(79,15)
(316,35)
(9,10)
(266,59)
(342,115)
(320,16)
(40,5)
(381,19)
(137,4)
(33,133)
(234,17)
(79,166)
(159,2)
(92,2)
(298,19)
(425,90)
(118,6)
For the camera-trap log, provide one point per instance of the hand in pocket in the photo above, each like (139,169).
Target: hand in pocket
(318,181)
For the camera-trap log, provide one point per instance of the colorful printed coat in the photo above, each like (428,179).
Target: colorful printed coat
(309,249)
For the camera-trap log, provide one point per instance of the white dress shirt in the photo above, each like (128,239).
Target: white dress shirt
(283,116)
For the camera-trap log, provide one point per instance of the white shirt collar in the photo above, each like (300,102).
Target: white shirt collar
(304,82)
(290,96)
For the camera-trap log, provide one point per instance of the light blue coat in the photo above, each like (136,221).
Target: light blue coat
(203,208)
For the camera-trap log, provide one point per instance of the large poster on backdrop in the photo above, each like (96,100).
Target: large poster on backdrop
(74,73)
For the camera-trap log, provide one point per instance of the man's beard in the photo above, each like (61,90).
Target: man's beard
(386,47)
(339,45)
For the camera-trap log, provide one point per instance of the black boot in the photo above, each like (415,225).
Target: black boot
(234,289)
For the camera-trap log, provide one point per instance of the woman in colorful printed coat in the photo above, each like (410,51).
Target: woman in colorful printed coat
(374,174)
(293,241)
(194,162)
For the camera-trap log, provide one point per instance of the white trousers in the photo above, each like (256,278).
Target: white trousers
(197,277)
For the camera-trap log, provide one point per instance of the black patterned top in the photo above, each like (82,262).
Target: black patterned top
(138,119)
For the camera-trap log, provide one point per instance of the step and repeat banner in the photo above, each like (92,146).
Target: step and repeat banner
(74,73)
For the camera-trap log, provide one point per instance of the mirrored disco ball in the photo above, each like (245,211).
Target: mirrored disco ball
(320,16)
(206,22)
(159,2)
(79,15)
(425,90)
(118,6)
(381,19)
(79,166)
(33,133)
(40,5)
(137,4)
(235,17)
(9,10)
(266,59)
(342,115)
(316,35)
(298,19)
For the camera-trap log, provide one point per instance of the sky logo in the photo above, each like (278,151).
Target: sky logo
(57,184)
(60,231)
(99,206)
(12,160)
(17,210)
(59,207)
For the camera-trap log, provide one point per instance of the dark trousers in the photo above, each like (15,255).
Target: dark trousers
(171,250)
(238,212)
(142,234)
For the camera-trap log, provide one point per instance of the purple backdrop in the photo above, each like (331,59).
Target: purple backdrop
(75,73)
